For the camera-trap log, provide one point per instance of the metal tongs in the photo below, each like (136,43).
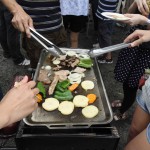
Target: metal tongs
(96,52)
(52,48)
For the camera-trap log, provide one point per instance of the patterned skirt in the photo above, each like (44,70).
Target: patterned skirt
(131,63)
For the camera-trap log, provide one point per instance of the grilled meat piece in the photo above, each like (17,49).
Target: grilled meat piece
(53,85)
(44,76)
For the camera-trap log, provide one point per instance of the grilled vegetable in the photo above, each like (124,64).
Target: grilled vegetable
(87,85)
(62,96)
(39,98)
(92,98)
(50,104)
(41,88)
(90,111)
(80,101)
(66,107)
(59,88)
(64,84)
(86,63)
(73,87)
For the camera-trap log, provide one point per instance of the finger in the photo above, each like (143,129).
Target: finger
(130,38)
(35,91)
(24,80)
(21,27)
(141,8)
(146,7)
(14,24)
(31,23)
(27,30)
(31,84)
(136,43)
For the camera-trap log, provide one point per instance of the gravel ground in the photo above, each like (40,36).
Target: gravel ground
(113,88)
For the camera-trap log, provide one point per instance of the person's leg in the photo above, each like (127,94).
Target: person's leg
(74,39)
(66,20)
(13,39)
(76,25)
(140,121)
(140,142)
(104,35)
(3,34)
(129,97)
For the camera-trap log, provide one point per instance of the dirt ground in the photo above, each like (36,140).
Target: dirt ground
(113,88)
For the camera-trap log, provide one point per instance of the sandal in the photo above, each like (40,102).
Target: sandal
(116,104)
(119,116)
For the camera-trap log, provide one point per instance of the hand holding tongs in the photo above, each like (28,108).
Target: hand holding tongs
(97,52)
(53,49)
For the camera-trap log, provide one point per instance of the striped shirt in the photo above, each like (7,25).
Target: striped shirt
(106,6)
(46,14)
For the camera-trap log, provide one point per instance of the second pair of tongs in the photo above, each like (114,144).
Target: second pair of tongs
(97,52)
(52,48)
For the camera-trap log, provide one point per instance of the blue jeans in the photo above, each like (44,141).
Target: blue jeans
(9,37)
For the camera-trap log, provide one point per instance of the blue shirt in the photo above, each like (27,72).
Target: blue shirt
(106,6)
(74,7)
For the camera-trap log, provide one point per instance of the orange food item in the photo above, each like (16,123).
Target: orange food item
(39,98)
(73,87)
(92,98)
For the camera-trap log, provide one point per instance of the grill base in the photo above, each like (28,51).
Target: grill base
(41,138)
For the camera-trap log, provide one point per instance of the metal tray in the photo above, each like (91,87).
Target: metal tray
(55,119)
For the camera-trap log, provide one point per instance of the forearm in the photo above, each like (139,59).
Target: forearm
(12,5)
(4,119)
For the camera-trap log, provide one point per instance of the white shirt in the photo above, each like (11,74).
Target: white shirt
(74,7)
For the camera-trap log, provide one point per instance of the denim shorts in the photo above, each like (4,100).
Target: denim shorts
(143,99)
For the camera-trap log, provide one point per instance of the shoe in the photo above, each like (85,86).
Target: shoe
(25,62)
(105,61)
(119,116)
(116,104)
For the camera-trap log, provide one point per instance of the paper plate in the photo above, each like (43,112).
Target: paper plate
(115,16)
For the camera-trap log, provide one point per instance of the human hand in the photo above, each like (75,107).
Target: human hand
(136,19)
(142,7)
(22,21)
(19,102)
(138,37)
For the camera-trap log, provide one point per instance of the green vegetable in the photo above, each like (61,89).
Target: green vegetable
(86,63)
(66,98)
(64,84)
(59,88)
(67,95)
(41,88)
